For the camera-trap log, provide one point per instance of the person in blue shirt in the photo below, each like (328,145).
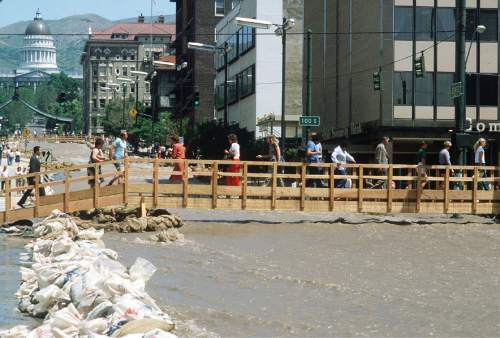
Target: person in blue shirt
(118,152)
(314,155)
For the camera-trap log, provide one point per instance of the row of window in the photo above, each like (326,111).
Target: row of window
(239,44)
(424,89)
(442,21)
(239,87)
(103,71)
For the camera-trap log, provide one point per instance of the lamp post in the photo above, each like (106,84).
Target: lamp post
(281,30)
(212,49)
(137,74)
(461,138)
(124,81)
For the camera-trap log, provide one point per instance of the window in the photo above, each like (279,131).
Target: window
(445,24)
(443,90)
(94,87)
(132,88)
(117,71)
(219,7)
(488,18)
(125,71)
(403,23)
(94,71)
(246,39)
(424,24)
(488,90)
(424,93)
(402,88)
(233,48)
(102,103)
(232,89)
(94,103)
(246,82)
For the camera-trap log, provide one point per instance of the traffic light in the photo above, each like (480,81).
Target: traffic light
(420,66)
(196,100)
(377,81)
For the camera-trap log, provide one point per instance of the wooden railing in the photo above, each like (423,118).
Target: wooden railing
(264,186)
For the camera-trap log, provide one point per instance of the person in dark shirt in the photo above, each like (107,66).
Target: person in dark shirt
(422,162)
(34,168)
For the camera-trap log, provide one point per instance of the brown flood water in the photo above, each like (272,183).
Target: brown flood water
(316,280)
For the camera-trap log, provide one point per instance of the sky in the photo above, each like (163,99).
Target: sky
(20,10)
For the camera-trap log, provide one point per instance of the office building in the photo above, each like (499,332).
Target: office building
(196,20)
(255,65)
(364,37)
(112,55)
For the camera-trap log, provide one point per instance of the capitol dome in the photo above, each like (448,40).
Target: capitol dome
(39,51)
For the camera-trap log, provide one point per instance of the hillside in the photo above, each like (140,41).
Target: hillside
(69,47)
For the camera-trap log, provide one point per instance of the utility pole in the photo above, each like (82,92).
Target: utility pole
(123,112)
(226,70)
(305,130)
(283,88)
(460,137)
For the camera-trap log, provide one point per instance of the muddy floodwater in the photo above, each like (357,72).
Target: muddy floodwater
(312,280)
(327,280)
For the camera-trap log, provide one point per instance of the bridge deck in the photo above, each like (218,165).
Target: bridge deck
(463,190)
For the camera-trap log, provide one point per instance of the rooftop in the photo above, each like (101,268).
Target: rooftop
(130,31)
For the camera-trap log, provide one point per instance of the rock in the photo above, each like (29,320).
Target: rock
(135,225)
(122,213)
(103,219)
(158,212)
(170,235)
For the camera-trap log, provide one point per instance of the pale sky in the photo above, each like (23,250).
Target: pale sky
(19,10)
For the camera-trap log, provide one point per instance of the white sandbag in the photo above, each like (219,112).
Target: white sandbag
(27,274)
(61,245)
(142,269)
(43,331)
(67,318)
(19,331)
(91,234)
(104,309)
(157,333)
(47,297)
(142,326)
(93,327)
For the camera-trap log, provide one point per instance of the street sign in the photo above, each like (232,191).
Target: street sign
(132,113)
(26,132)
(457,90)
(309,121)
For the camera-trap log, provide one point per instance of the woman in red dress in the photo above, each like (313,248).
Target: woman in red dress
(178,153)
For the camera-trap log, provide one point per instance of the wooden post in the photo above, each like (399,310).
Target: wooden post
(419,191)
(215,177)
(37,195)
(389,187)
(155,182)
(274,181)
(474,190)
(125,181)
(185,183)
(446,190)
(66,190)
(360,187)
(244,186)
(8,202)
(303,173)
(96,186)
(332,188)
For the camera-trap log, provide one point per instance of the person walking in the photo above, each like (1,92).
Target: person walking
(178,153)
(480,160)
(118,152)
(233,153)
(422,162)
(18,157)
(382,157)
(340,156)
(445,159)
(34,168)
(5,176)
(314,155)
(19,180)
(96,156)
(10,156)
(273,155)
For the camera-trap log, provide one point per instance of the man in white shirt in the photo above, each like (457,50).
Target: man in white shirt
(340,156)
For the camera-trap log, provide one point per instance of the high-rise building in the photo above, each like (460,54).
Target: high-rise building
(110,56)
(255,66)
(364,37)
(196,20)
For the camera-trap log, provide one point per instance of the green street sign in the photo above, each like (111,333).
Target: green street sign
(457,90)
(309,121)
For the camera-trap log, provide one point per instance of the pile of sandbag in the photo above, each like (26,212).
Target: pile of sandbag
(79,288)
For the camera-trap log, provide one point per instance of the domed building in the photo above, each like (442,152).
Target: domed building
(39,52)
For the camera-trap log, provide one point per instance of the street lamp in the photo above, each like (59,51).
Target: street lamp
(124,81)
(212,49)
(281,30)
(461,138)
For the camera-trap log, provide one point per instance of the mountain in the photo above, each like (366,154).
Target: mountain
(69,47)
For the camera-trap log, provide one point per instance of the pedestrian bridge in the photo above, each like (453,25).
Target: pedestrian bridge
(455,189)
